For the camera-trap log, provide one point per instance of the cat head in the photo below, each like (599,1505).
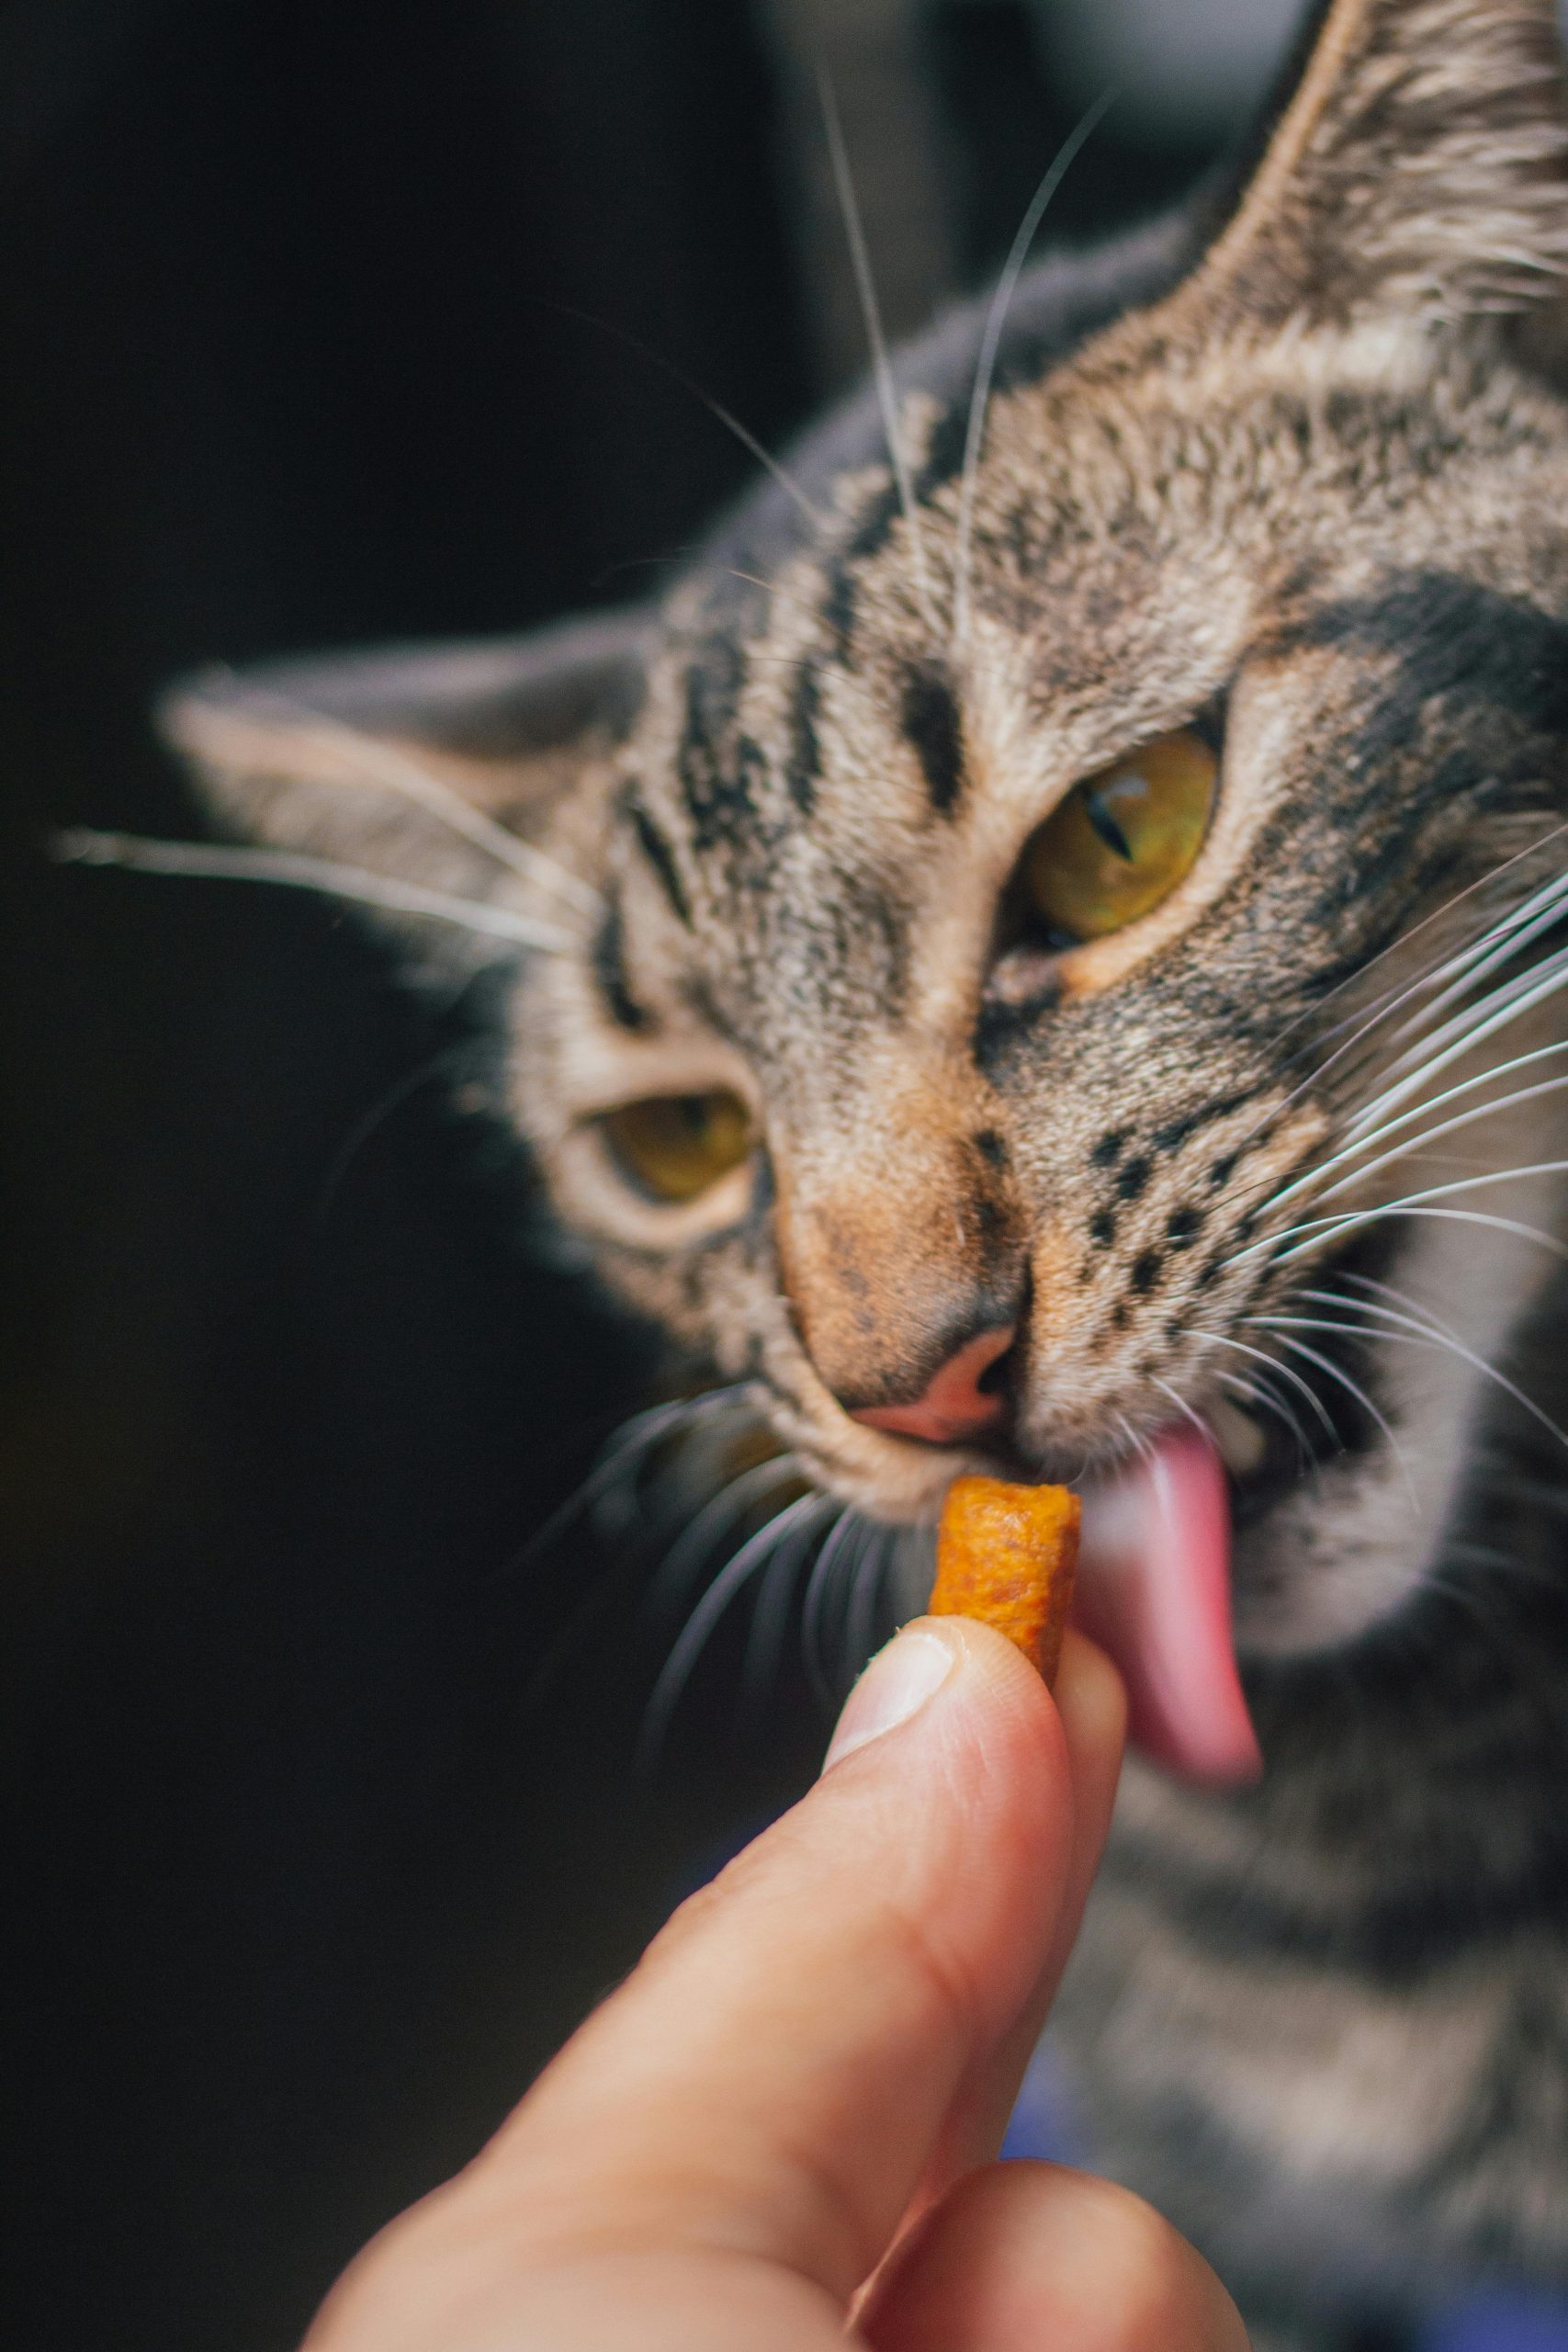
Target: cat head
(1009,916)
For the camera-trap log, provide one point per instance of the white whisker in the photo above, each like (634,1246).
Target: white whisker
(1418,1331)
(1506,938)
(716,409)
(718,1515)
(1367,1018)
(387,763)
(1337,1300)
(698,1629)
(843,1542)
(1473,1026)
(1434,973)
(388,1103)
(613,1490)
(1258,1390)
(869,1574)
(81,845)
(1284,1371)
(766,459)
(1137,1442)
(1387,1290)
(781,596)
(1276,1323)
(882,370)
(764,1640)
(1411,1200)
(619,1465)
(1368,1139)
(991,345)
(1182,1407)
(620,1459)
(1354,1219)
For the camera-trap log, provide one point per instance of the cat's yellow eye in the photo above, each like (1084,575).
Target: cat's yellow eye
(1122,839)
(675,1145)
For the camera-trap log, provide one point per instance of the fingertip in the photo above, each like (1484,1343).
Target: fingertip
(1089,1695)
(1082,1713)
(986,1745)
(989,1659)
(969,1663)
(1020,1714)
(894,1687)
(1080,1722)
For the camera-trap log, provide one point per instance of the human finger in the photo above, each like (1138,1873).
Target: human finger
(1093,1708)
(774,2074)
(750,2112)
(1022,2254)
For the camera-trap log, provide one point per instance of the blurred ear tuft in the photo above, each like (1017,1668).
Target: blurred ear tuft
(1420,167)
(424,766)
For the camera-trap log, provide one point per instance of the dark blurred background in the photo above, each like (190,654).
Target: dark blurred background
(328,321)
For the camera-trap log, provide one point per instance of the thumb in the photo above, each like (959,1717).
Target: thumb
(751,2110)
(799,2031)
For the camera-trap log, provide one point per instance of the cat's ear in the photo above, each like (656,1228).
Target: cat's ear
(422,770)
(1419,165)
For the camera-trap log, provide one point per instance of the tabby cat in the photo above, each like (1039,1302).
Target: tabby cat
(1050,945)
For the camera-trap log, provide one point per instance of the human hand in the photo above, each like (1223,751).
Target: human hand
(797,2091)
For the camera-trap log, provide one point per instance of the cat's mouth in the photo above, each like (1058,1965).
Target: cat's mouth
(1154,1587)
(1156,1578)
(1163,1516)
(1155,1592)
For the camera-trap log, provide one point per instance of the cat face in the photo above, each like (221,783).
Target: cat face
(921,1111)
(1018,917)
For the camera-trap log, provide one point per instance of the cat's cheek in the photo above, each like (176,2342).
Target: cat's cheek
(1342,1553)
(1354,1541)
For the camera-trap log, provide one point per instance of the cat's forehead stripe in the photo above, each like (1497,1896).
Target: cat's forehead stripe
(721,772)
(610,975)
(873,526)
(658,852)
(933,725)
(805,764)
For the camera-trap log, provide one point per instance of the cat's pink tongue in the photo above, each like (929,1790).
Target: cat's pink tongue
(1155,1591)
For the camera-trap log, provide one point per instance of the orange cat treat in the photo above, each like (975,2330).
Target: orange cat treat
(1007,1556)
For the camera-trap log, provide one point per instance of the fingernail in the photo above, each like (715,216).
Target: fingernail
(899,1679)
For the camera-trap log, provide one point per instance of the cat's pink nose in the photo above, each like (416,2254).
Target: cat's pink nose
(954,1406)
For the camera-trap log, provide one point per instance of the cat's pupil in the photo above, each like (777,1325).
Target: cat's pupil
(1098,811)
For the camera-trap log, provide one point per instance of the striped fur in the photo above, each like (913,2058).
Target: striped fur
(1292,462)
